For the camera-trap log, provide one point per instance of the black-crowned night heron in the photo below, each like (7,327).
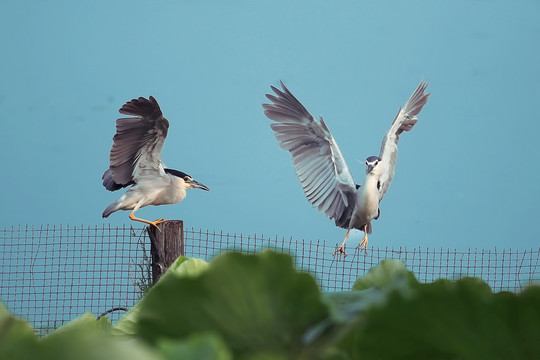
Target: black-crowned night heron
(135,160)
(322,170)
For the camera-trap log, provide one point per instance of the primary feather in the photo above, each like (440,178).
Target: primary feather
(404,121)
(319,165)
(137,145)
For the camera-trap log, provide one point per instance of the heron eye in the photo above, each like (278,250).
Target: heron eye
(187,179)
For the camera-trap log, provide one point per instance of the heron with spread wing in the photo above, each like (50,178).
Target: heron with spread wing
(135,160)
(321,169)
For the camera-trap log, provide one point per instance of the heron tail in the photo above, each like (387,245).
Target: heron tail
(369,228)
(110,209)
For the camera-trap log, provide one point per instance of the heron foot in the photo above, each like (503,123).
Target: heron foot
(157,222)
(341,249)
(363,243)
(341,252)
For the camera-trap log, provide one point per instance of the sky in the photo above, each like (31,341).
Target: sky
(466,177)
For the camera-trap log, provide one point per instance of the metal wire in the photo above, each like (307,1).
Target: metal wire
(52,274)
(506,270)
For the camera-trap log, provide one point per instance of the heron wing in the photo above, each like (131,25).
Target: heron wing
(137,144)
(404,121)
(319,165)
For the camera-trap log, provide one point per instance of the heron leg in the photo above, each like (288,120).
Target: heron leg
(341,249)
(154,223)
(363,243)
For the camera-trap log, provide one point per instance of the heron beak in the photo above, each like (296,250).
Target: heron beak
(197,185)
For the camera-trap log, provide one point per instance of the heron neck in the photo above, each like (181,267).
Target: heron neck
(368,199)
(370,180)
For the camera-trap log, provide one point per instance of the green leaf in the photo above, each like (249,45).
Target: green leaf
(256,303)
(181,267)
(85,338)
(449,320)
(371,290)
(17,339)
(265,356)
(188,267)
(104,324)
(388,274)
(86,322)
(195,347)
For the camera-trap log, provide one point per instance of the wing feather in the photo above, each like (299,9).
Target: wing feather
(322,193)
(404,121)
(319,165)
(137,144)
(324,181)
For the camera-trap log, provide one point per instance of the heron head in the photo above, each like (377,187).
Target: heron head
(371,163)
(193,184)
(189,183)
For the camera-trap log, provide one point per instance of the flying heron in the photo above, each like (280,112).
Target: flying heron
(135,160)
(321,169)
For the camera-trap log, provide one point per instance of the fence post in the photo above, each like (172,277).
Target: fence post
(165,245)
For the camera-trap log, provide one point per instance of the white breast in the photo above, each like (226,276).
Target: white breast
(163,190)
(367,202)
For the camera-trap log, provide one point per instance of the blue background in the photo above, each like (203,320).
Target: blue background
(467,175)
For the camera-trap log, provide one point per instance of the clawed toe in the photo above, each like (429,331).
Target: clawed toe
(363,244)
(341,252)
(157,222)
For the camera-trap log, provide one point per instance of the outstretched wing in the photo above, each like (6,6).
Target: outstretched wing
(137,144)
(318,162)
(404,121)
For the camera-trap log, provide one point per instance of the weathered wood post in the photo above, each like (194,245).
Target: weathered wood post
(165,245)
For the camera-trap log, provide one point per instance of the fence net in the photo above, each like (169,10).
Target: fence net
(52,274)
(506,269)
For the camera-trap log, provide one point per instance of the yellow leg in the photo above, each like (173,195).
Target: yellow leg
(363,243)
(341,249)
(154,223)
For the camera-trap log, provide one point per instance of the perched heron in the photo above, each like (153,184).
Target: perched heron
(321,169)
(135,160)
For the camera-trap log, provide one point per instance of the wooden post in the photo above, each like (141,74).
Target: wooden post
(165,245)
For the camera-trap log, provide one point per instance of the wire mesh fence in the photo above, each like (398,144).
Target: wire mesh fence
(507,269)
(52,274)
